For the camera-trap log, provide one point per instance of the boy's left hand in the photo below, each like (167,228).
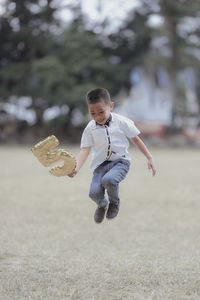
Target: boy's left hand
(151,166)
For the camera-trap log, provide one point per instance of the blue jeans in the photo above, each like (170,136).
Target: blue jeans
(107,177)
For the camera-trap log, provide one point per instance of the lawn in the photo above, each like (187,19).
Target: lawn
(51,249)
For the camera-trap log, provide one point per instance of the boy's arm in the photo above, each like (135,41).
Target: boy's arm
(139,143)
(83,155)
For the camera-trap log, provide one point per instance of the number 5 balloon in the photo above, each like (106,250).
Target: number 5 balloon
(42,151)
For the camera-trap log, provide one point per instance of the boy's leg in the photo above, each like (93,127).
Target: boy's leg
(97,191)
(97,194)
(110,182)
(113,177)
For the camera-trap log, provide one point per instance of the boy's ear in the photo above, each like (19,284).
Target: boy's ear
(112,105)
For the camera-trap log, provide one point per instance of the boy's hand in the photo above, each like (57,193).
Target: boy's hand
(151,166)
(73,173)
(81,159)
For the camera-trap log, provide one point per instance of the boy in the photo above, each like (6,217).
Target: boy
(107,135)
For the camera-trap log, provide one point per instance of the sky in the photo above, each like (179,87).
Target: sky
(97,10)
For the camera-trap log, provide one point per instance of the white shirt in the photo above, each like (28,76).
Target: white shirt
(109,142)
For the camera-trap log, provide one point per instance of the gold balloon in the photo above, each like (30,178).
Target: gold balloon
(42,151)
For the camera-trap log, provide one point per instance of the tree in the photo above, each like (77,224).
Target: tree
(176,42)
(26,35)
(80,63)
(175,14)
(131,43)
(52,67)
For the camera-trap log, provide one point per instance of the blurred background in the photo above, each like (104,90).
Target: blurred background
(146,53)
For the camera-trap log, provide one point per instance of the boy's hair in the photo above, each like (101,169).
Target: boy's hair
(97,95)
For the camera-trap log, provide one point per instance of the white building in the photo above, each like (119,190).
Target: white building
(149,103)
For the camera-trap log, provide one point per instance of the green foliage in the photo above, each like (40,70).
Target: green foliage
(52,68)
(77,65)
(131,43)
(25,37)
(86,64)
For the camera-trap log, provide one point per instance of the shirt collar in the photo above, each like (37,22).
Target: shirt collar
(107,122)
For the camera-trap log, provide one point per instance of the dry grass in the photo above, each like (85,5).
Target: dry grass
(51,249)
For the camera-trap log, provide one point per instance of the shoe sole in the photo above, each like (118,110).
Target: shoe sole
(110,218)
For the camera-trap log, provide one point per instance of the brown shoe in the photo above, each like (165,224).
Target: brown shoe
(113,210)
(99,214)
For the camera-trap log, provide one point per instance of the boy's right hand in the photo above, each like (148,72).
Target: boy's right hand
(80,161)
(73,173)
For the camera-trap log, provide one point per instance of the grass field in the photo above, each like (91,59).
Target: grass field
(51,249)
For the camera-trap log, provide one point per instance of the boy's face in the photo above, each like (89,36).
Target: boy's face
(100,111)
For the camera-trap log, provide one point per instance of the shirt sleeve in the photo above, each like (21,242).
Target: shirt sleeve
(130,129)
(86,140)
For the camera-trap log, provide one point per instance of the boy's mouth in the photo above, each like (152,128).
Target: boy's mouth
(101,121)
